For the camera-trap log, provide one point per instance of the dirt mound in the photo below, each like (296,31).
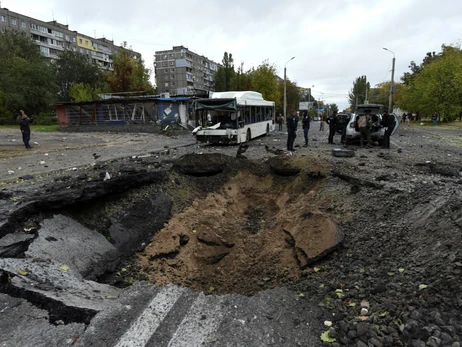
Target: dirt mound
(252,233)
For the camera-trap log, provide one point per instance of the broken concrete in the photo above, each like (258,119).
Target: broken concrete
(22,324)
(66,241)
(14,244)
(58,288)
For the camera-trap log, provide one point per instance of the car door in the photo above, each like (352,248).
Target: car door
(396,123)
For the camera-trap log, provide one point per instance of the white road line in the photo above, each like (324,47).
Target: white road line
(148,321)
(195,330)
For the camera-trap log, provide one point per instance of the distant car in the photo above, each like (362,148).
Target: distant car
(377,132)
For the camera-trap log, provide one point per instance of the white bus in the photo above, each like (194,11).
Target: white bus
(233,117)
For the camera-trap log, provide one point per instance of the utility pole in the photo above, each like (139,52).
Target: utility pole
(285,89)
(390,99)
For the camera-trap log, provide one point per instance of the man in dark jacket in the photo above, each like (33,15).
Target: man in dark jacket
(388,122)
(332,121)
(292,122)
(24,122)
(306,126)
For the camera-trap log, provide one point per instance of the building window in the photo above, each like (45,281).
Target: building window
(23,24)
(73,39)
(3,18)
(13,21)
(171,55)
(80,40)
(165,56)
(171,63)
(3,29)
(166,71)
(164,64)
(172,70)
(166,84)
(86,42)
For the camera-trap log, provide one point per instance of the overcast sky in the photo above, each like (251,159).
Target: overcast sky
(333,41)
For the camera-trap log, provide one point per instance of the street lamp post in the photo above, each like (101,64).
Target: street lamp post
(390,100)
(285,89)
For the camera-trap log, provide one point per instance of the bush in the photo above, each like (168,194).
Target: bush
(44,118)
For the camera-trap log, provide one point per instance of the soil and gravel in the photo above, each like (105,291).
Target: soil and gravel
(391,220)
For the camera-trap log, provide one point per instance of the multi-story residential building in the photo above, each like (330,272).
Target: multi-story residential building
(180,71)
(53,37)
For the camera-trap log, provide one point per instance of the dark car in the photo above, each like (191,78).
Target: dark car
(342,121)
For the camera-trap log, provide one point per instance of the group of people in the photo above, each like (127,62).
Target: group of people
(363,124)
(292,124)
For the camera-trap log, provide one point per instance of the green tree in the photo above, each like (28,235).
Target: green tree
(333,108)
(76,68)
(437,87)
(225,73)
(264,81)
(84,92)
(129,75)
(358,93)
(241,80)
(415,69)
(26,78)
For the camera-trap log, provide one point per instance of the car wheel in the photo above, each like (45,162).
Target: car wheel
(340,152)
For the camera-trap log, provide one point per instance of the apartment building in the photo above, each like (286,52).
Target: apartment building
(180,71)
(53,37)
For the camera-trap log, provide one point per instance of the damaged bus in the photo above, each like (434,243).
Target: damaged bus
(233,117)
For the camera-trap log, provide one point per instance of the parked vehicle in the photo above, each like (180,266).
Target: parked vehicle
(377,131)
(342,120)
(233,117)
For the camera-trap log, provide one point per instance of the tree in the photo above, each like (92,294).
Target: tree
(415,69)
(358,93)
(129,75)
(333,108)
(84,92)
(26,77)
(76,68)
(241,80)
(437,87)
(225,73)
(264,81)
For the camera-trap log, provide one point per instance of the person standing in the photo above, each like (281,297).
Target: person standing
(363,122)
(435,118)
(306,126)
(24,123)
(292,122)
(332,121)
(321,122)
(345,125)
(388,122)
(280,122)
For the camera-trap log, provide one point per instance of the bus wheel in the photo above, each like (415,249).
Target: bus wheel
(267,129)
(248,137)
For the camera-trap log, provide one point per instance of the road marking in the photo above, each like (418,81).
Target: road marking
(194,330)
(395,144)
(148,321)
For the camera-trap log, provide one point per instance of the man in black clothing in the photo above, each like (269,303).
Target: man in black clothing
(24,122)
(306,126)
(292,122)
(332,121)
(388,122)
(344,129)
